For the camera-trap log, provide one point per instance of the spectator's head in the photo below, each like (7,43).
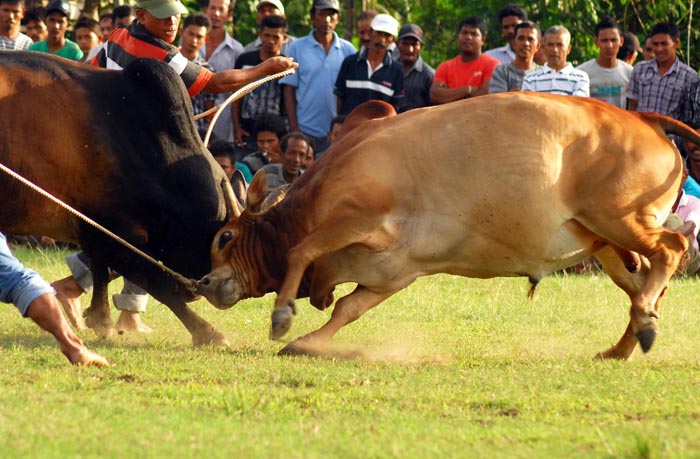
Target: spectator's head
(11,14)
(384,31)
(665,40)
(336,124)
(268,8)
(273,33)
(295,149)
(527,40)
(557,46)
(34,25)
(471,35)
(410,44)
(648,50)
(223,152)
(630,48)
(510,16)
(269,130)
(160,18)
(106,25)
(364,21)
(219,13)
(325,15)
(608,38)
(57,13)
(87,34)
(122,16)
(194,34)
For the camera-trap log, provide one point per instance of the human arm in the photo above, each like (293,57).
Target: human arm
(238,130)
(632,104)
(290,103)
(440,93)
(233,79)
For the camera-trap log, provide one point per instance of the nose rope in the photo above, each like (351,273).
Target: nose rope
(190,284)
(235,96)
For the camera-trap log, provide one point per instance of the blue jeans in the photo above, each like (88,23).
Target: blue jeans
(19,285)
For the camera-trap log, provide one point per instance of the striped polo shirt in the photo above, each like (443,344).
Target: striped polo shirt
(567,81)
(128,44)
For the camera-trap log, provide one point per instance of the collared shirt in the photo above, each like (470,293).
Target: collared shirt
(314,81)
(416,85)
(19,43)
(507,77)
(70,50)
(19,285)
(689,110)
(265,99)
(224,58)
(127,44)
(504,54)
(358,83)
(275,175)
(608,84)
(256,44)
(656,93)
(567,81)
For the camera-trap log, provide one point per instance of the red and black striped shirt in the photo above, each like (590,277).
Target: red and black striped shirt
(127,44)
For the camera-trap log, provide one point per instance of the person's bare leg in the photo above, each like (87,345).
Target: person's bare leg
(68,293)
(130,321)
(45,312)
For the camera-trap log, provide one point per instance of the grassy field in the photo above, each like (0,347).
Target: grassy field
(453,367)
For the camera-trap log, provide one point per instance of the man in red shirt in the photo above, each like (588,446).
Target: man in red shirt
(468,74)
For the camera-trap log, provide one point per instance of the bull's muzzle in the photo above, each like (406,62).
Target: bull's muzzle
(221,292)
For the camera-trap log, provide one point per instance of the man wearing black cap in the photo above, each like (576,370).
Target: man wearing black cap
(308,94)
(417,75)
(56,42)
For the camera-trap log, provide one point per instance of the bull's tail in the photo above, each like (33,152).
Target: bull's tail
(671,126)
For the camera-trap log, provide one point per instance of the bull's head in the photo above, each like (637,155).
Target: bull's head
(238,257)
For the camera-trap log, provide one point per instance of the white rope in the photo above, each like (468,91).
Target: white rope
(250,87)
(189,283)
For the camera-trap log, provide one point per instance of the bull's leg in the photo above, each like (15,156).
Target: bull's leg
(347,310)
(335,233)
(203,333)
(645,288)
(97,316)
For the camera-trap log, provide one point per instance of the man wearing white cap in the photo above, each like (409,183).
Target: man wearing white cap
(371,74)
(268,8)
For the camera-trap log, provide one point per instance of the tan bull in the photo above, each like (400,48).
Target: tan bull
(516,184)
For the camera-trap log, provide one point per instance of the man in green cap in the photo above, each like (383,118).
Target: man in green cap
(152,35)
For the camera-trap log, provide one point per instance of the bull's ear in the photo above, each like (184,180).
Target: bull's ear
(257,191)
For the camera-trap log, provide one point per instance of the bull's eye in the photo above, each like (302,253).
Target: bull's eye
(225,237)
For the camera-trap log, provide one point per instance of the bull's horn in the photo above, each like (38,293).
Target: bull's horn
(233,207)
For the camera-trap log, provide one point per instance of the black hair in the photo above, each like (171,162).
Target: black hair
(122,11)
(284,143)
(273,22)
(473,21)
(197,19)
(667,28)
(36,14)
(271,123)
(528,25)
(512,10)
(629,46)
(222,148)
(608,22)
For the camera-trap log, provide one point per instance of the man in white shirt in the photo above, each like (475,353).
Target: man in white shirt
(557,76)
(509,16)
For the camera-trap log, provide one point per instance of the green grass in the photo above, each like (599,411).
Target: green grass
(453,367)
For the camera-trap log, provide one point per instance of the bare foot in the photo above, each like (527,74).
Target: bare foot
(68,293)
(86,357)
(130,321)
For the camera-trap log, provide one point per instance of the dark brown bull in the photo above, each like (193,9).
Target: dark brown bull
(122,148)
(506,185)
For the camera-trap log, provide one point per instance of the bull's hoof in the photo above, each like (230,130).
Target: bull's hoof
(646,338)
(211,338)
(295,348)
(282,320)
